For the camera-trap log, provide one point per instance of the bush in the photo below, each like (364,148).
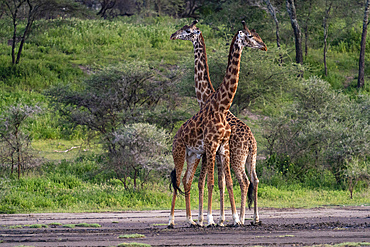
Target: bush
(319,131)
(15,142)
(141,149)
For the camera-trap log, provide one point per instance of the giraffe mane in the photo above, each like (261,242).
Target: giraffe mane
(206,65)
(231,47)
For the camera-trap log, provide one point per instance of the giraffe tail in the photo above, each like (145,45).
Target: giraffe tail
(250,194)
(174,183)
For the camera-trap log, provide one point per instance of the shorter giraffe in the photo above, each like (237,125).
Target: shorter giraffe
(243,146)
(208,133)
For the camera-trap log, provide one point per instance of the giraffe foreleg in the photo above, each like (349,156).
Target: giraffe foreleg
(211,156)
(201,184)
(225,159)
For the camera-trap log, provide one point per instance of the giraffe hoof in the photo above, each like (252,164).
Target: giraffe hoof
(221,224)
(212,225)
(171,226)
(258,223)
(194,226)
(237,224)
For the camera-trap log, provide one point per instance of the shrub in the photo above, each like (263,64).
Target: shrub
(15,143)
(141,149)
(320,130)
(356,171)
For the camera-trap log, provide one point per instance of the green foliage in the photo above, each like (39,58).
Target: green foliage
(141,149)
(356,170)
(15,141)
(320,130)
(66,53)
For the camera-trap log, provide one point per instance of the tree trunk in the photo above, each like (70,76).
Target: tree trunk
(25,33)
(297,31)
(14,40)
(325,26)
(361,70)
(306,30)
(159,7)
(272,11)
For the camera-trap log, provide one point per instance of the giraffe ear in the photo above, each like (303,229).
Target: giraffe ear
(194,23)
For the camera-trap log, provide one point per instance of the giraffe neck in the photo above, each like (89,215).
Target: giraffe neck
(203,85)
(226,91)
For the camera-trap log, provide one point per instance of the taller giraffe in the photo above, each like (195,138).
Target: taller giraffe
(208,132)
(243,146)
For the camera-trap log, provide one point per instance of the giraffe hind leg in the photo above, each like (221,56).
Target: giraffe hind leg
(221,186)
(192,163)
(253,192)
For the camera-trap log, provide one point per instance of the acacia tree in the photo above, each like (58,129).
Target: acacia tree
(361,70)
(14,142)
(141,150)
(30,10)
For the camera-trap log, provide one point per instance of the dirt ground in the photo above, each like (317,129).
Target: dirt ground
(280,227)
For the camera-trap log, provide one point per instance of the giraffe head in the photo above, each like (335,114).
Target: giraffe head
(187,32)
(249,38)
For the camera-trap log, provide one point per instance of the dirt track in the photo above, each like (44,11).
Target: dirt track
(282,227)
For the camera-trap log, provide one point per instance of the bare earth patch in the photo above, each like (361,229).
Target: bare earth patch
(280,227)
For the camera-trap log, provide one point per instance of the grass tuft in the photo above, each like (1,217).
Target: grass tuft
(38,226)
(88,225)
(69,225)
(136,235)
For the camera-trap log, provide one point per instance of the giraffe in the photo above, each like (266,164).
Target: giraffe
(243,146)
(208,133)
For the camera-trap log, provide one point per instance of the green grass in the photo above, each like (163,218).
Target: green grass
(79,187)
(55,150)
(88,225)
(136,235)
(38,226)
(69,226)
(15,227)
